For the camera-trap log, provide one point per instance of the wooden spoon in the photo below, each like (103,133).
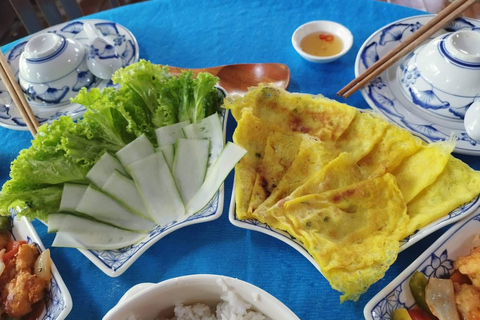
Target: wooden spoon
(237,78)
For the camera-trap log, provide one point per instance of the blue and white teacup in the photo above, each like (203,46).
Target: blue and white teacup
(442,77)
(52,69)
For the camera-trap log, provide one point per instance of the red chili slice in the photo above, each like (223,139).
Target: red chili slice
(12,249)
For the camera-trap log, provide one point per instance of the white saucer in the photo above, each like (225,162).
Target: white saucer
(384,94)
(123,39)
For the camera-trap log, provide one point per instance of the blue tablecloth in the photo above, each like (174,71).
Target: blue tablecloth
(189,33)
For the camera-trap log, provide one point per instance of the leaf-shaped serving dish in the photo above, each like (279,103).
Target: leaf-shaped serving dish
(384,93)
(125,44)
(436,261)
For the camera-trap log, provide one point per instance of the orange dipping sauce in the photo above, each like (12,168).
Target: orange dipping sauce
(321,44)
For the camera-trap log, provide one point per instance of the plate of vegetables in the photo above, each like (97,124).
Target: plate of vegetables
(442,283)
(147,158)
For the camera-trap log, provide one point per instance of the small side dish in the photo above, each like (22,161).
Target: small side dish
(447,271)
(322,41)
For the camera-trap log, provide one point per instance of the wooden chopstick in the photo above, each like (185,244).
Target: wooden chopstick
(417,38)
(17,95)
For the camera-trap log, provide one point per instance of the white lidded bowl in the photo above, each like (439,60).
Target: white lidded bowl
(147,301)
(331,27)
(442,77)
(52,69)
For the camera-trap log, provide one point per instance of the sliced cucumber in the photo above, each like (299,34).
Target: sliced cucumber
(76,232)
(100,206)
(71,195)
(137,149)
(168,135)
(124,190)
(54,222)
(226,161)
(102,170)
(208,128)
(169,154)
(157,188)
(190,165)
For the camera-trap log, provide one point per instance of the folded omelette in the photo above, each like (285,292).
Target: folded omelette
(346,183)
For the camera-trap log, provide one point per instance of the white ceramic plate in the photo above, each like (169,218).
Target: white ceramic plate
(384,94)
(255,225)
(116,262)
(149,300)
(436,261)
(125,44)
(58,299)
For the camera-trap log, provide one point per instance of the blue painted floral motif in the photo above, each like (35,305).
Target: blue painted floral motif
(369,55)
(129,54)
(410,76)
(457,24)
(73,27)
(119,40)
(466,137)
(53,95)
(16,51)
(31,93)
(4,112)
(107,28)
(385,307)
(426,130)
(439,267)
(84,79)
(396,31)
(92,52)
(427,99)
(108,52)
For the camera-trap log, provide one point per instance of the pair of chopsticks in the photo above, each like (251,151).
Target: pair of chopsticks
(418,37)
(17,95)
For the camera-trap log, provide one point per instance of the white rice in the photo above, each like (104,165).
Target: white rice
(232,307)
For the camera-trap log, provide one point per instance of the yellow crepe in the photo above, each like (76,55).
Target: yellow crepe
(395,145)
(352,232)
(312,156)
(280,151)
(316,115)
(252,135)
(456,185)
(422,168)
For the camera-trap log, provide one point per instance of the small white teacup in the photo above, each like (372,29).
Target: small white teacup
(52,69)
(442,77)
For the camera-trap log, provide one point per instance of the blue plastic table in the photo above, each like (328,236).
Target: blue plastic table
(193,34)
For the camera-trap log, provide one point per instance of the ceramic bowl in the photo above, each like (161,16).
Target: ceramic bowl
(436,261)
(52,69)
(442,77)
(330,27)
(149,301)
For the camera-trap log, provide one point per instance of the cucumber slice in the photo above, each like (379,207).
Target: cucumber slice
(137,149)
(157,188)
(208,128)
(226,161)
(71,195)
(102,170)
(169,135)
(124,190)
(81,233)
(190,165)
(100,206)
(169,154)
(54,222)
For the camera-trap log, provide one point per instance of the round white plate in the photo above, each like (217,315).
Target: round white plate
(384,94)
(122,38)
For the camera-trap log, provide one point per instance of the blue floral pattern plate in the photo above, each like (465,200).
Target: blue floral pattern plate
(58,301)
(436,261)
(123,40)
(385,95)
(115,262)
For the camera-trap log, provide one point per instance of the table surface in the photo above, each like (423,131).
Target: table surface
(193,34)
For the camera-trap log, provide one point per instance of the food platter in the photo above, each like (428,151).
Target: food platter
(436,261)
(384,93)
(125,44)
(58,299)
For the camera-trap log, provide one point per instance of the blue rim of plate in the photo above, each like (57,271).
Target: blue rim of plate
(116,262)
(125,41)
(436,261)
(382,95)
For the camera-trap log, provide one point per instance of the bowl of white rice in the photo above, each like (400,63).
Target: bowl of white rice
(199,297)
